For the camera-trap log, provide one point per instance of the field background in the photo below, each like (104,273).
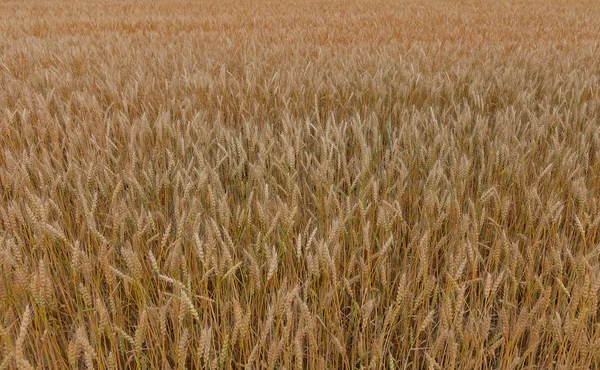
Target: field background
(299,184)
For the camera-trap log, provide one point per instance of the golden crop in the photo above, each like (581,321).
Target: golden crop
(300,184)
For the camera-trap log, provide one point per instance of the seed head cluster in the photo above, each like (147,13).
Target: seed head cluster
(346,184)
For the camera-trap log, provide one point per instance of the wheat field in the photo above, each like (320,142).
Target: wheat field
(344,184)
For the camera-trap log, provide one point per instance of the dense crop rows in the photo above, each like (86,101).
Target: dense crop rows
(299,184)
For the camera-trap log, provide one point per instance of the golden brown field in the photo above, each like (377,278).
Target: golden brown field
(300,184)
